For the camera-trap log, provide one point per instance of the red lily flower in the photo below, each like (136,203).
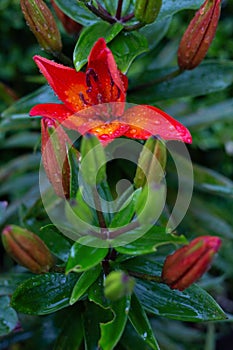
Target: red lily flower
(94,101)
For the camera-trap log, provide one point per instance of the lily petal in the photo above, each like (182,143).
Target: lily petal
(145,121)
(69,85)
(54,111)
(112,84)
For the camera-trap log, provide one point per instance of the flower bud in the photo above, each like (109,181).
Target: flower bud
(118,284)
(27,249)
(93,161)
(199,35)
(151,163)
(42,23)
(190,262)
(68,23)
(54,143)
(146,11)
(150,203)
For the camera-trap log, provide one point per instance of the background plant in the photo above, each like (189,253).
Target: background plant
(200,99)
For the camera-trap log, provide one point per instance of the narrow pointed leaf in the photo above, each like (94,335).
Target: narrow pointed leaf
(84,282)
(82,257)
(111,332)
(139,320)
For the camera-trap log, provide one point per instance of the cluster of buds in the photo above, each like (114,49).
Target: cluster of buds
(187,264)
(27,249)
(199,35)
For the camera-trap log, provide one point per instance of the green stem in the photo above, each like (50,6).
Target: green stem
(63,59)
(157,80)
(131,226)
(134,27)
(146,277)
(100,215)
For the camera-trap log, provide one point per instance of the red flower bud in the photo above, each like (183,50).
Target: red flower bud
(199,35)
(27,249)
(42,23)
(54,143)
(190,262)
(68,23)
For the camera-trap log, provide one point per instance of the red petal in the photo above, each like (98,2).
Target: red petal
(111,83)
(145,121)
(54,111)
(108,132)
(66,82)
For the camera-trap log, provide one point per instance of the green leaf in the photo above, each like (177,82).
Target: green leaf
(89,36)
(139,320)
(155,31)
(209,77)
(170,7)
(204,117)
(44,294)
(149,242)
(56,242)
(72,155)
(22,140)
(126,212)
(96,293)
(79,214)
(126,47)
(8,316)
(210,181)
(84,282)
(111,6)
(132,340)
(10,281)
(77,11)
(21,108)
(111,332)
(93,316)
(83,258)
(3,206)
(71,335)
(193,304)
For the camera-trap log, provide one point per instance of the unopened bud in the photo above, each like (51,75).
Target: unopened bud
(150,203)
(199,35)
(27,249)
(118,284)
(146,11)
(54,143)
(151,163)
(190,262)
(93,161)
(42,23)
(68,23)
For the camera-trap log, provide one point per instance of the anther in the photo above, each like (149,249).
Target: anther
(83,99)
(91,73)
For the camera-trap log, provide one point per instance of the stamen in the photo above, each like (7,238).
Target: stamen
(83,99)
(91,73)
